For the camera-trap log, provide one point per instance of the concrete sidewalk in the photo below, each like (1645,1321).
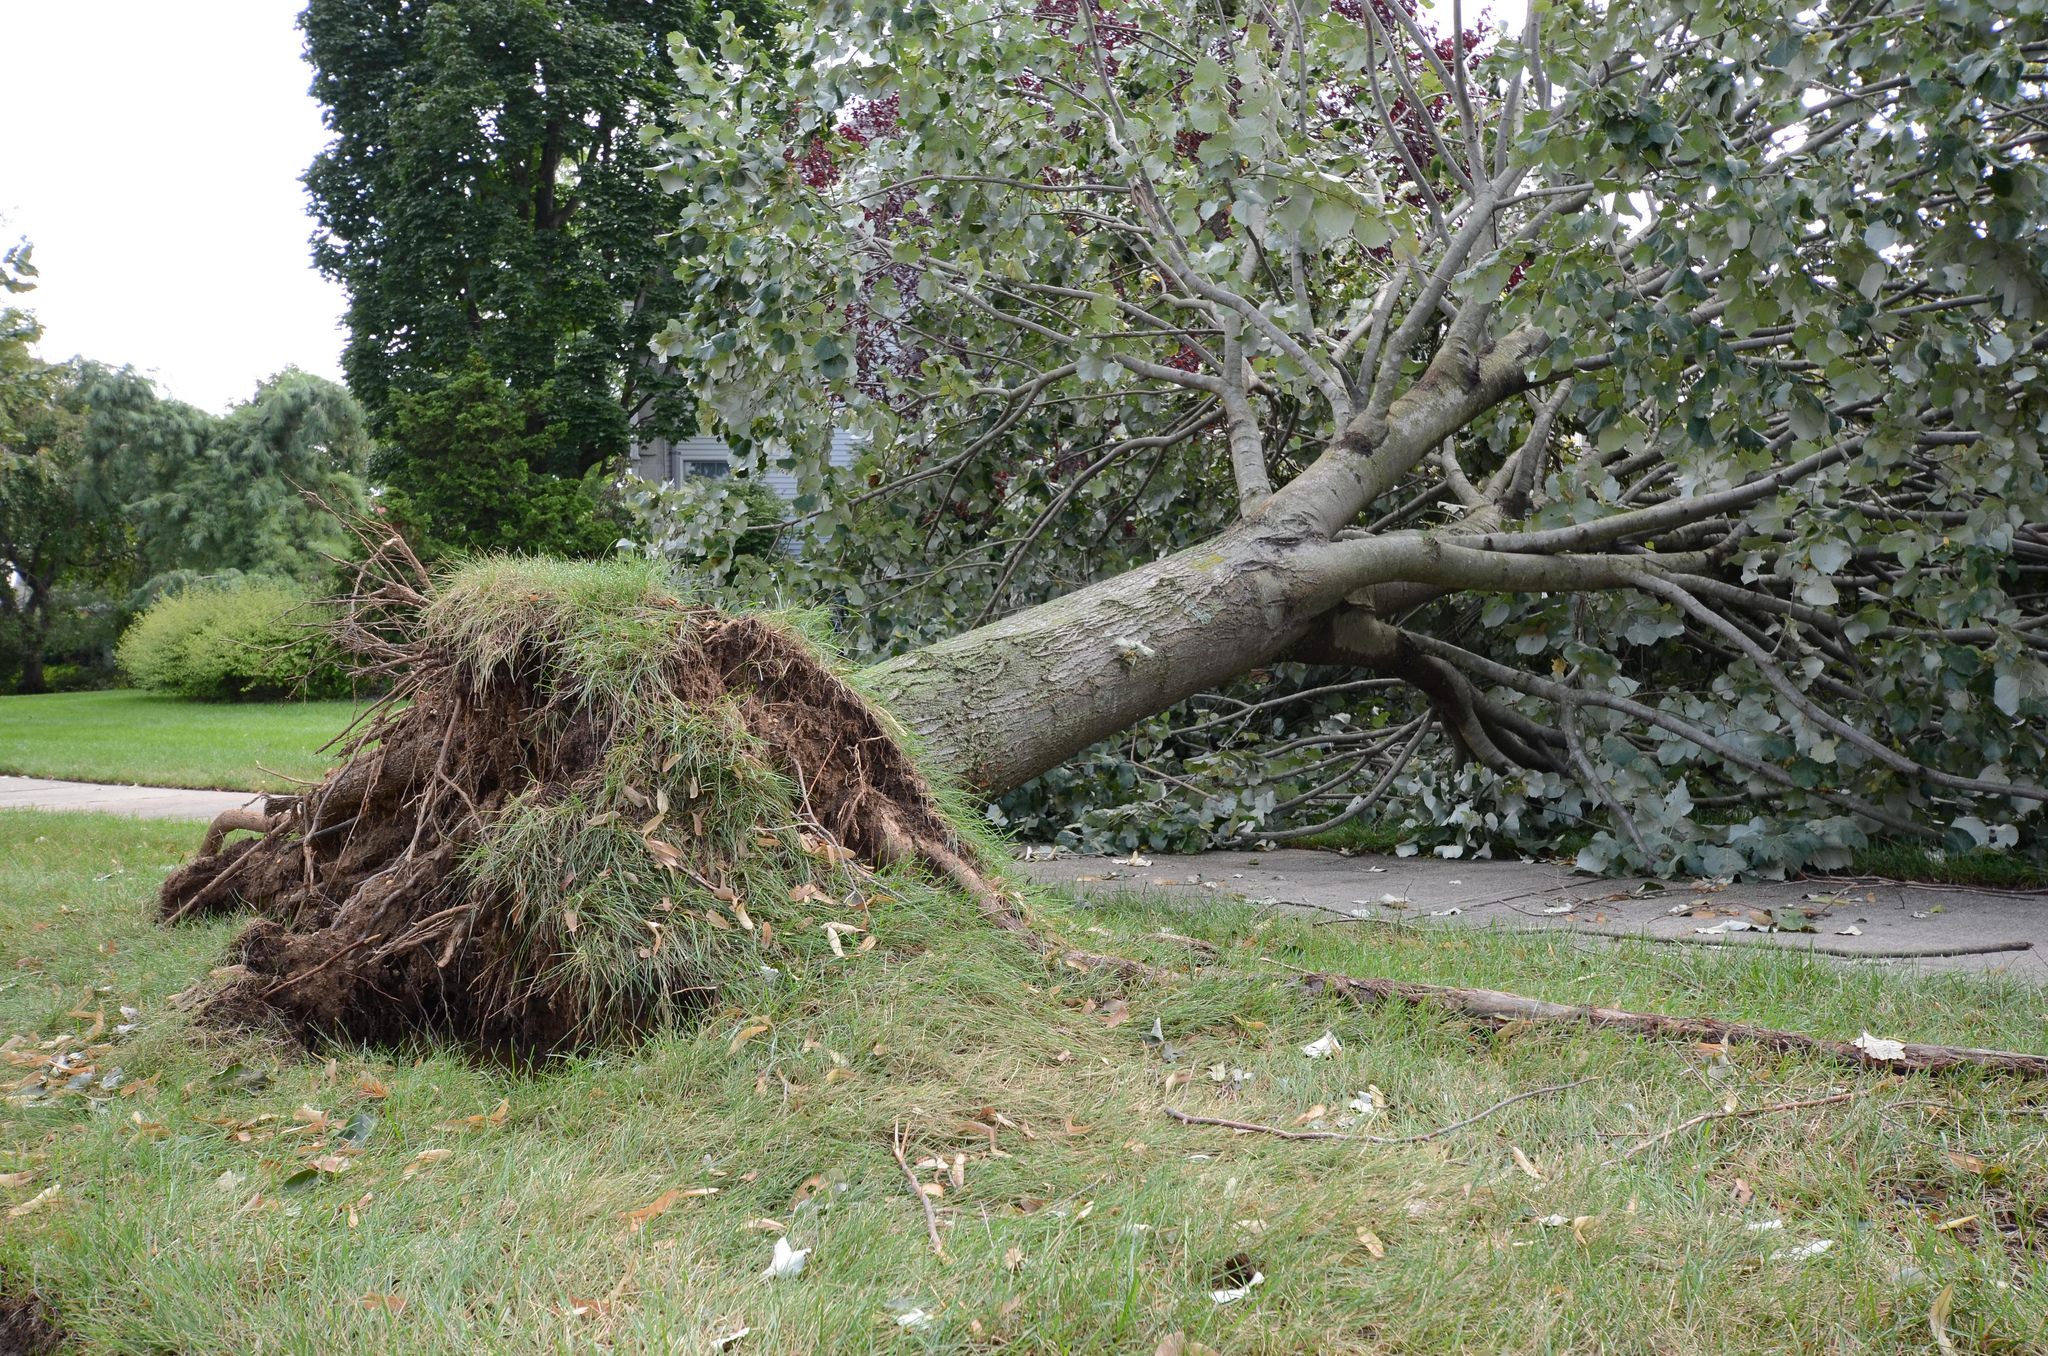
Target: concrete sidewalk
(1879,923)
(1909,927)
(140,802)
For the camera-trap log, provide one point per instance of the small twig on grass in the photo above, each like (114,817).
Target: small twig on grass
(931,1217)
(1186,1119)
(1746,1113)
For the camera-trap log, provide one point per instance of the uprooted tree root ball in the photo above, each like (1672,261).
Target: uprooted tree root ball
(586,804)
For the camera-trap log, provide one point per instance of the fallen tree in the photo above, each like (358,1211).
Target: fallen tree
(587,805)
(1658,400)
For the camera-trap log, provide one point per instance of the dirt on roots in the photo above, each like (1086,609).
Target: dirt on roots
(585,804)
(26,1328)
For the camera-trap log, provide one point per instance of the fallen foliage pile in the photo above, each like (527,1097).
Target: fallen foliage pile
(585,803)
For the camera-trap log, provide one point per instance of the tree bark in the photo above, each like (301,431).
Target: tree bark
(1000,704)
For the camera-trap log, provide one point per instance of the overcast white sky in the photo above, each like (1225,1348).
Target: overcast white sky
(151,150)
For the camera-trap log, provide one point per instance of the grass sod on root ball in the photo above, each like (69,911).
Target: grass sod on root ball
(589,803)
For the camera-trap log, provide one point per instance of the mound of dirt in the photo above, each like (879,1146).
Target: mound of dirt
(586,803)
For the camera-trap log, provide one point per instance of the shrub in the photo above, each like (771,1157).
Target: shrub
(250,640)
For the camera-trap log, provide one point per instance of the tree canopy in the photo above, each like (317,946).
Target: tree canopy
(486,202)
(1655,393)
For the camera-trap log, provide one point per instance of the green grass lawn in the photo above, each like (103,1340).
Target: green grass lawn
(230,1193)
(140,737)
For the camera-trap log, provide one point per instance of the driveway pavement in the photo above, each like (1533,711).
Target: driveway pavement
(1909,927)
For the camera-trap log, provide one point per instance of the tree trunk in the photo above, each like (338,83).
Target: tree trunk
(35,640)
(1002,703)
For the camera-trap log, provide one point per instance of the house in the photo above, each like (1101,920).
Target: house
(670,462)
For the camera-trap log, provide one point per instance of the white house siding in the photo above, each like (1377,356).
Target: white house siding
(667,462)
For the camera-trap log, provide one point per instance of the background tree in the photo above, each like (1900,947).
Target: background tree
(487,204)
(61,525)
(1657,397)
(464,472)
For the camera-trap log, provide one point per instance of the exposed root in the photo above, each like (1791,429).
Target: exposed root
(587,804)
(227,821)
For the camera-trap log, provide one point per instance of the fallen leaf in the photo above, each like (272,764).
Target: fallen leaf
(1524,1162)
(426,1158)
(1314,1113)
(1877,1047)
(390,1304)
(1114,1013)
(1950,1225)
(11,1180)
(1370,1241)
(787,1261)
(659,1205)
(331,1165)
(1324,1046)
(1233,1294)
(370,1087)
(1937,1320)
(747,1033)
(36,1202)
(1180,1344)
(764,1225)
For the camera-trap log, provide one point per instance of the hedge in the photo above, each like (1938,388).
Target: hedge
(251,640)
